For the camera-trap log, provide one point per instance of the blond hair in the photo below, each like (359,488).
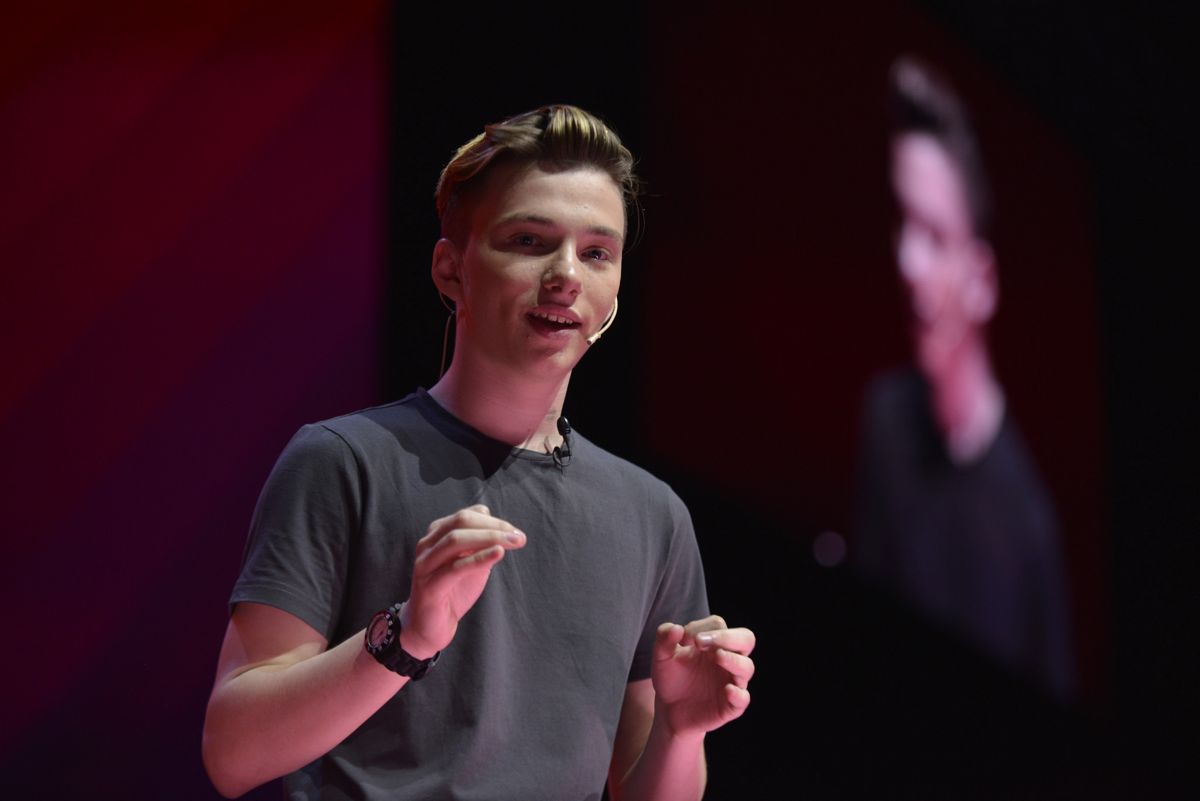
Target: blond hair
(556,138)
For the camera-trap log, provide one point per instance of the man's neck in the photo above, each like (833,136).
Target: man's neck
(968,404)
(507,407)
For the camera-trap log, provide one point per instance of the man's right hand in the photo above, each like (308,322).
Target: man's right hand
(282,697)
(454,560)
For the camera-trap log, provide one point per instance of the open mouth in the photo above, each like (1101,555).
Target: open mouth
(550,323)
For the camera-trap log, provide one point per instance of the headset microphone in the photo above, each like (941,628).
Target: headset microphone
(611,316)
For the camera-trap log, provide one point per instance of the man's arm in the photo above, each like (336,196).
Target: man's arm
(282,698)
(698,683)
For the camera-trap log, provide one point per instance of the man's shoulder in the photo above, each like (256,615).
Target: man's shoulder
(365,426)
(1010,464)
(609,462)
(896,388)
(359,436)
(619,473)
(896,409)
(386,415)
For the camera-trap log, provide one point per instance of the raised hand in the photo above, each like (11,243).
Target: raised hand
(454,560)
(700,674)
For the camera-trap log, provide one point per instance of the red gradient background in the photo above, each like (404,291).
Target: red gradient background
(202,246)
(192,267)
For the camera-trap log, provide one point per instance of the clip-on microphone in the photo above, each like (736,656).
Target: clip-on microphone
(562,453)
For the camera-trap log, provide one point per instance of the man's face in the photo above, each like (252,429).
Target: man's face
(946,269)
(541,267)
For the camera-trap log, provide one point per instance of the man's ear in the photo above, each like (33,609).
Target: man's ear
(983,286)
(447,270)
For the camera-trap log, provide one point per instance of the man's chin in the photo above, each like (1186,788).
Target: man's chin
(556,359)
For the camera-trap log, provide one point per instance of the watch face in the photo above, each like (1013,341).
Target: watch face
(377,631)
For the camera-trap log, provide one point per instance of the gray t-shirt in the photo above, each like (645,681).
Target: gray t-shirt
(524,703)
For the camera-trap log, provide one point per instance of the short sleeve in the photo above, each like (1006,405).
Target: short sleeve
(304,523)
(682,596)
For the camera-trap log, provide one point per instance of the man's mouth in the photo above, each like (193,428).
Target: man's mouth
(549,322)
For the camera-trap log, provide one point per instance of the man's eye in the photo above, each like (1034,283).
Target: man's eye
(524,240)
(597,254)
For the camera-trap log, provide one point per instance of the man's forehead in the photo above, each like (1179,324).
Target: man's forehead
(926,176)
(530,193)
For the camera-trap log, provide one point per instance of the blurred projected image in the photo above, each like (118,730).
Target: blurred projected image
(951,514)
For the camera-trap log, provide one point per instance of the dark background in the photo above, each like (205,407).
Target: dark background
(216,225)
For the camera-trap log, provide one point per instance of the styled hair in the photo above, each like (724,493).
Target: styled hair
(556,138)
(923,101)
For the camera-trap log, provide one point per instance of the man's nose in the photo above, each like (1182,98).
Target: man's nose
(562,274)
(915,258)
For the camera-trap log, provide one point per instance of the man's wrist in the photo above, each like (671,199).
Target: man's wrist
(662,722)
(412,642)
(415,647)
(384,642)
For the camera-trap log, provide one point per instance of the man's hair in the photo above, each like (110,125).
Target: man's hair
(922,101)
(556,138)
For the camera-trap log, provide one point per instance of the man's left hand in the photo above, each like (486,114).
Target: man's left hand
(700,674)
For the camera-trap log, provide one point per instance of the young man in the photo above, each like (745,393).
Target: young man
(454,595)
(951,511)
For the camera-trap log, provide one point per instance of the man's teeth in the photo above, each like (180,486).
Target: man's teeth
(554,318)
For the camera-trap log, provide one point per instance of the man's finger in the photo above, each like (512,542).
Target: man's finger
(464,542)
(480,559)
(710,623)
(452,571)
(739,667)
(477,516)
(736,699)
(741,640)
(666,638)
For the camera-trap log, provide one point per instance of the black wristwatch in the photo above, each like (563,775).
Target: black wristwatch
(383,643)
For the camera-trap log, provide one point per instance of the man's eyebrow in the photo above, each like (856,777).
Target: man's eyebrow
(604,230)
(537,219)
